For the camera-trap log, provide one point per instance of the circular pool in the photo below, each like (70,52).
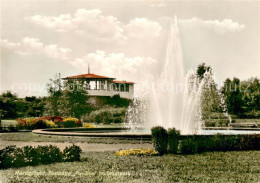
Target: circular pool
(127,133)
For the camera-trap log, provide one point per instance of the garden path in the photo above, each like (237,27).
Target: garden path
(86,147)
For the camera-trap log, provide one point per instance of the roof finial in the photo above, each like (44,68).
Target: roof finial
(88,69)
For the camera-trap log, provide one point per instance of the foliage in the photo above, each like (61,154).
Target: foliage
(50,124)
(199,144)
(47,122)
(49,154)
(202,69)
(71,122)
(216,123)
(136,152)
(54,89)
(117,101)
(233,96)
(106,115)
(12,156)
(160,139)
(173,140)
(30,123)
(69,99)
(12,107)
(72,153)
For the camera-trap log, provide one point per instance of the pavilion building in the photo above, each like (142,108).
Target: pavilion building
(100,88)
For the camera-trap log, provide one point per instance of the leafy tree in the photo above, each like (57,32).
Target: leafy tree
(251,94)
(202,69)
(73,101)
(210,94)
(69,99)
(8,105)
(54,89)
(233,95)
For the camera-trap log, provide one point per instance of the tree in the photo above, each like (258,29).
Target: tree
(210,99)
(69,99)
(73,101)
(233,96)
(8,105)
(54,89)
(202,69)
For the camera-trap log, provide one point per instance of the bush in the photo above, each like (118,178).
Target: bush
(173,140)
(12,156)
(199,144)
(217,123)
(160,139)
(71,122)
(106,115)
(72,153)
(189,145)
(49,154)
(50,124)
(20,124)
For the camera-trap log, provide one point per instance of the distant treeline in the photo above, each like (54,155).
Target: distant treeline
(242,98)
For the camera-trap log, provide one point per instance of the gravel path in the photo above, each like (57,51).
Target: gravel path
(84,146)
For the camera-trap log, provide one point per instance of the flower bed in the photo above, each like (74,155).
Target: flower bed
(47,122)
(137,152)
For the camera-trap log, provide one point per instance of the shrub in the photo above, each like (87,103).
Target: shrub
(31,155)
(71,122)
(49,154)
(30,124)
(39,124)
(249,142)
(106,115)
(188,146)
(72,153)
(198,144)
(50,124)
(20,123)
(6,156)
(12,156)
(136,152)
(160,139)
(173,140)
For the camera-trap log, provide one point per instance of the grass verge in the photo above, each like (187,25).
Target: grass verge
(31,137)
(224,167)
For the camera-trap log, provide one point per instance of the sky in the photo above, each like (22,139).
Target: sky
(123,39)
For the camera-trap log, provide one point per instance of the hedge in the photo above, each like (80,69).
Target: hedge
(12,156)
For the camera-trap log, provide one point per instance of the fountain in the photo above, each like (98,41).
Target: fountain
(171,100)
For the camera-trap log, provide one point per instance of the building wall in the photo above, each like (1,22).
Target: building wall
(107,93)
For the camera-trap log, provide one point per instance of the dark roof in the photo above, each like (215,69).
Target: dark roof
(88,76)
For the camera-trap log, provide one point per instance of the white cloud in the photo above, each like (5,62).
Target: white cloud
(143,28)
(113,64)
(226,25)
(92,24)
(30,45)
(89,23)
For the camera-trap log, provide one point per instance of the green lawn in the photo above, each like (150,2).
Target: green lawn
(106,167)
(31,137)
